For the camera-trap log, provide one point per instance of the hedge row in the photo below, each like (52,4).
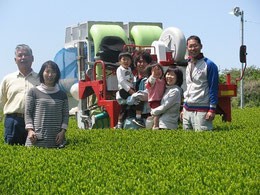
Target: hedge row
(140,161)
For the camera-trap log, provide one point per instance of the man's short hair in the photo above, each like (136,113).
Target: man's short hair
(195,38)
(23,46)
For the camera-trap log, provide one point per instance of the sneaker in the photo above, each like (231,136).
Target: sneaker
(139,122)
(155,128)
(118,126)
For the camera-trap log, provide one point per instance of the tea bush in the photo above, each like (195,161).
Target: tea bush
(224,161)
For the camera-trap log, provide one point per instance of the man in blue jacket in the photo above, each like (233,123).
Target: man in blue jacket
(201,95)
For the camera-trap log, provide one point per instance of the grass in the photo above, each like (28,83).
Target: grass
(105,161)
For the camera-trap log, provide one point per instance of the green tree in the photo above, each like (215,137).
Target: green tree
(251,85)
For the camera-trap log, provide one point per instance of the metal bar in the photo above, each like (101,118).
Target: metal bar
(81,61)
(242,64)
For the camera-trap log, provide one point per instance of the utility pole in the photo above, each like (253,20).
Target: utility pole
(236,11)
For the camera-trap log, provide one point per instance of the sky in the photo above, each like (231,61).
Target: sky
(41,24)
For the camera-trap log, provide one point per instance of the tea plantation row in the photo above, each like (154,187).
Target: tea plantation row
(225,161)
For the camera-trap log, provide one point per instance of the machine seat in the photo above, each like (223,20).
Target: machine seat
(111,66)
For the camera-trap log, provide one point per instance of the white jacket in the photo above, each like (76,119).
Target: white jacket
(125,78)
(169,110)
(202,86)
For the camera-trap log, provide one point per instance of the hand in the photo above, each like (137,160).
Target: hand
(60,137)
(152,112)
(141,95)
(210,116)
(156,72)
(153,72)
(181,115)
(32,136)
(131,91)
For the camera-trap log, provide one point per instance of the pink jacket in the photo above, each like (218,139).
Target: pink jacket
(156,88)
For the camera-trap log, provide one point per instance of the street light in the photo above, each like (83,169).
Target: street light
(236,11)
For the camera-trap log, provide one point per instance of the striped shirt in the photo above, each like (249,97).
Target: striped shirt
(47,113)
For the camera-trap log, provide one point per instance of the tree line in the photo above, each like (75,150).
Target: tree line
(251,85)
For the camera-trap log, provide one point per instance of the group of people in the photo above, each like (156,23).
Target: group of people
(163,98)
(37,112)
(158,92)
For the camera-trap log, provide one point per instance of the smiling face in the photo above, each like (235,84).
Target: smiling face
(141,65)
(194,48)
(170,78)
(49,76)
(24,59)
(125,61)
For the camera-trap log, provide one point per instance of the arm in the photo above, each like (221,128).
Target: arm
(212,74)
(65,120)
(181,115)
(150,82)
(65,114)
(121,78)
(29,110)
(3,98)
(172,98)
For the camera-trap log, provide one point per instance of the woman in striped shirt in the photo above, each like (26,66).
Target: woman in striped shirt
(46,110)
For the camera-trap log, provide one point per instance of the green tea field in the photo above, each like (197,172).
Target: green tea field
(105,161)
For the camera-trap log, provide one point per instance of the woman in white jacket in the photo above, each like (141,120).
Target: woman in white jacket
(169,110)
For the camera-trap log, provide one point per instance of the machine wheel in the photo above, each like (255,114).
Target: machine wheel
(74,91)
(175,41)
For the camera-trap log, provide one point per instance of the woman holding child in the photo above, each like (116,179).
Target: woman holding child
(169,109)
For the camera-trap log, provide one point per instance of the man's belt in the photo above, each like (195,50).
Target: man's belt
(20,115)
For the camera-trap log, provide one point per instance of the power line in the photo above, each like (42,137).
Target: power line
(252,22)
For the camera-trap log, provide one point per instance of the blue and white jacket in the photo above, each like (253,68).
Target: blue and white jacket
(202,86)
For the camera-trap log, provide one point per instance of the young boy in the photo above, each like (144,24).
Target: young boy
(125,79)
